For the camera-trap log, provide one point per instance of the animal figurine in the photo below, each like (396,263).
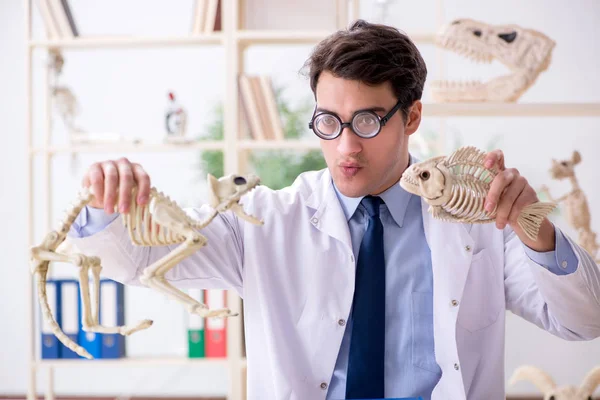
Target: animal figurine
(551,391)
(455,187)
(526,52)
(576,204)
(160,222)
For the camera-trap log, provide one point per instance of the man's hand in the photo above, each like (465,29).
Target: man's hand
(113,180)
(509,193)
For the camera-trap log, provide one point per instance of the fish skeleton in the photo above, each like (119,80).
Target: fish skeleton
(456,186)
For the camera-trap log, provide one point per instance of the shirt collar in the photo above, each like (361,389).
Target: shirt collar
(396,199)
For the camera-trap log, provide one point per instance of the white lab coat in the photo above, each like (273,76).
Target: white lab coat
(296,276)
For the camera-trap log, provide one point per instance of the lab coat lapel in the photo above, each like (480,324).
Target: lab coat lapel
(329,216)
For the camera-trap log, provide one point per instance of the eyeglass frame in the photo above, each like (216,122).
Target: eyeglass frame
(382,121)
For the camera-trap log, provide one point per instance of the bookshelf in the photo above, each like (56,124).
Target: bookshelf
(234,40)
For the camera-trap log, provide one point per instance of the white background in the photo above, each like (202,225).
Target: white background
(124,90)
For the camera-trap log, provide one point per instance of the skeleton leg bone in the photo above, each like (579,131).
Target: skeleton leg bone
(154,277)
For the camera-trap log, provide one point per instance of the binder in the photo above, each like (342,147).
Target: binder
(195,330)
(216,328)
(49,343)
(90,341)
(69,306)
(112,313)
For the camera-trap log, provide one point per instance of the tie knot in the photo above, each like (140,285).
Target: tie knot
(371,204)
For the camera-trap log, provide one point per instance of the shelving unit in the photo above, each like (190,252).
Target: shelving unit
(235,41)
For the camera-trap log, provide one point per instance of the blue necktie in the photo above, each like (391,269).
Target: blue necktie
(365,377)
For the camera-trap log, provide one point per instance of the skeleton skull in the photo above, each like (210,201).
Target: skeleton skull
(525,52)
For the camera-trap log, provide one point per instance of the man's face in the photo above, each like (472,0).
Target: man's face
(365,166)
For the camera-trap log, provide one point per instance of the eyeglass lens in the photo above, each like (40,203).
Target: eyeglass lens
(364,124)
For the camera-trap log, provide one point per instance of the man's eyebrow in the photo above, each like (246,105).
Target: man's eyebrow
(375,108)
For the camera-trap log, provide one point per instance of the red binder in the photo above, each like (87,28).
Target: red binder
(216,328)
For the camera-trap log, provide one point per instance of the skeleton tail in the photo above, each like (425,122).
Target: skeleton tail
(47,313)
(532,216)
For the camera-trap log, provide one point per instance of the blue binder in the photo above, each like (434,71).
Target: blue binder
(69,306)
(112,313)
(90,341)
(49,343)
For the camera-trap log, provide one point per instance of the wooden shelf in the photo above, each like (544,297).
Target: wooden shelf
(132,147)
(128,41)
(511,110)
(279,144)
(133,361)
(285,37)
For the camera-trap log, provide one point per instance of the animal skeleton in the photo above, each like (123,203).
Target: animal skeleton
(577,210)
(551,391)
(161,222)
(455,187)
(526,52)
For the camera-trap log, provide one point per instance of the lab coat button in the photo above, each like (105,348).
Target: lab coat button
(341,322)
(323,385)
(468,248)
(456,367)
(314,220)
(454,303)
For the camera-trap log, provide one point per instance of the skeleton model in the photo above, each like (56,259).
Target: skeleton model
(525,52)
(577,210)
(455,187)
(161,222)
(549,388)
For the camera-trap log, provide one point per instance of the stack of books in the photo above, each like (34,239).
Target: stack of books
(259,107)
(58,19)
(206,17)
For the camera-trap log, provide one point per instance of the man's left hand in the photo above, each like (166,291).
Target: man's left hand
(509,193)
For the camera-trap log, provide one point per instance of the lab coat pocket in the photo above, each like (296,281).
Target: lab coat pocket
(483,295)
(423,355)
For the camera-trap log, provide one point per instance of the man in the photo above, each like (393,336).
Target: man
(351,289)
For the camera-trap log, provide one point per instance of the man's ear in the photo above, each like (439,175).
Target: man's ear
(413,119)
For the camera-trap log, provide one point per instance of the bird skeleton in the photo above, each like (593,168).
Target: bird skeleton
(551,391)
(160,222)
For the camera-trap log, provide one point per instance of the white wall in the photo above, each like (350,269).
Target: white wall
(125,90)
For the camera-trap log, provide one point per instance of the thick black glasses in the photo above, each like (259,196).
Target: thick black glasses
(366,124)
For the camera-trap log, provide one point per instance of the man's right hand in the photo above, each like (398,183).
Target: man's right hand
(113,180)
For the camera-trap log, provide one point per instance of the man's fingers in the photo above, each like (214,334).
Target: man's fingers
(126,184)
(500,182)
(94,179)
(528,196)
(111,183)
(508,200)
(143,182)
(494,158)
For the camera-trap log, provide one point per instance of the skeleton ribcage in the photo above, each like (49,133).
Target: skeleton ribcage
(467,202)
(144,230)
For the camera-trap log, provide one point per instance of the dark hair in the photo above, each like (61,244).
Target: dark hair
(373,54)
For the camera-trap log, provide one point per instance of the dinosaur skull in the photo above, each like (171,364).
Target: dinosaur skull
(525,52)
